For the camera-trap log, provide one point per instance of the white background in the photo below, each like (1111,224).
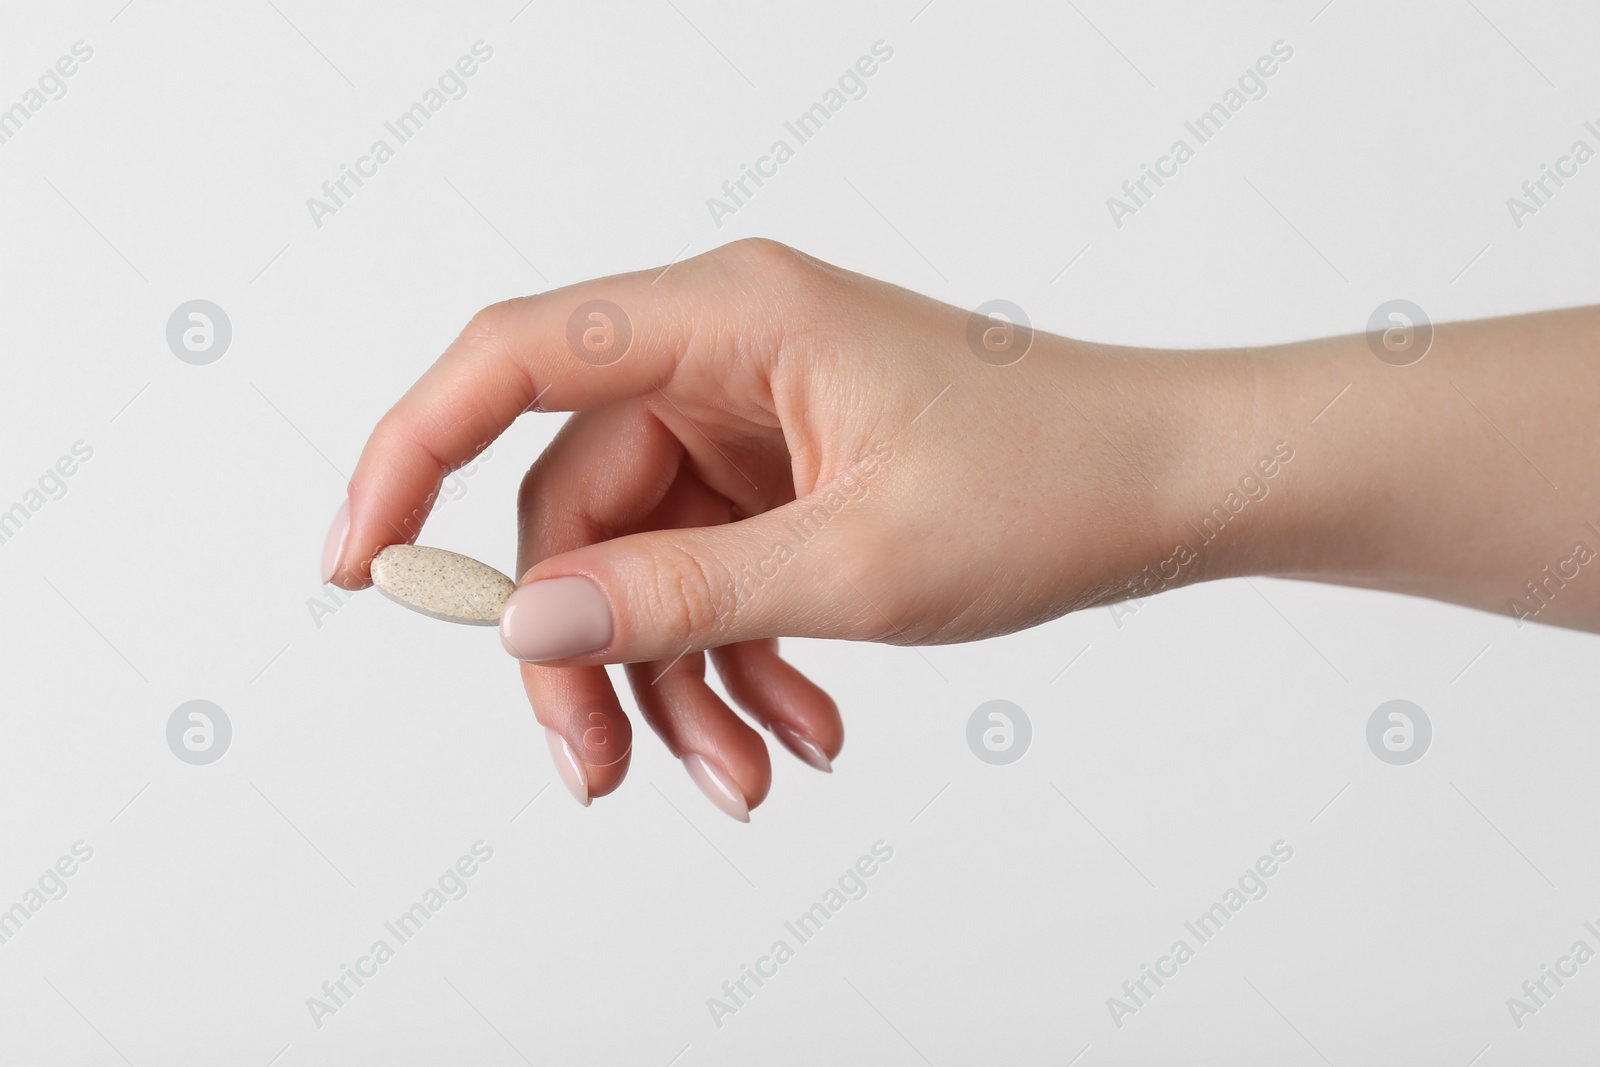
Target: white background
(372,750)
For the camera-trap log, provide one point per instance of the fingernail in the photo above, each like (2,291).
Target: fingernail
(568,766)
(718,786)
(802,746)
(333,544)
(555,618)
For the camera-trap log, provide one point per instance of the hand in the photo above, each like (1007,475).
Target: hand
(784,448)
(764,445)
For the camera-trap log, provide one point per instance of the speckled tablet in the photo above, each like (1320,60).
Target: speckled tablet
(440,584)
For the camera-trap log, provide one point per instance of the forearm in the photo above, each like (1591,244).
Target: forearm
(1472,476)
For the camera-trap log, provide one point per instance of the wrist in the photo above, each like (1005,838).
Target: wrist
(1174,457)
(1218,443)
(1218,457)
(1268,474)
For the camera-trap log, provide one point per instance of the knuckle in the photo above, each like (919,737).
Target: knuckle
(757,250)
(691,593)
(487,335)
(767,259)
(488,324)
(392,428)
(781,285)
(399,433)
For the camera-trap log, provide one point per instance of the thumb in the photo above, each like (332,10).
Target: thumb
(656,595)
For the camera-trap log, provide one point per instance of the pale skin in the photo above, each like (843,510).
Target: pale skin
(962,499)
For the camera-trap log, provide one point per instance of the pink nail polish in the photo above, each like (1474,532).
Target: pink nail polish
(555,618)
(333,544)
(568,766)
(718,786)
(802,746)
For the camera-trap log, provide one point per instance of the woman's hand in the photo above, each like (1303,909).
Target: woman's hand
(783,448)
(764,445)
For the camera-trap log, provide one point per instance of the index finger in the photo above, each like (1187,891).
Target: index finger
(581,347)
